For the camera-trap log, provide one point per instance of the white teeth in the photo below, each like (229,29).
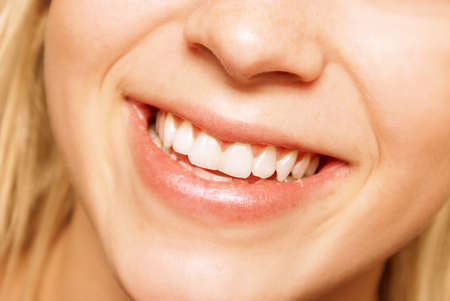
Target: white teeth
(237,160)
(285,164)
(301,166)
(160,117)
(169,130)
(313,165)
(205,152)
(154,136)
(184,138)
(264,164)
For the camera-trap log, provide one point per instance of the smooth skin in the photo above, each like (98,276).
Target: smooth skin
(366,81)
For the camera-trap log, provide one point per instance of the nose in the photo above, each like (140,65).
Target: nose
(253,40)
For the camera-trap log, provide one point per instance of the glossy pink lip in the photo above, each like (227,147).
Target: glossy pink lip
(195,197)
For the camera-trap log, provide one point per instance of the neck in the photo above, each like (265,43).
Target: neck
(78,261)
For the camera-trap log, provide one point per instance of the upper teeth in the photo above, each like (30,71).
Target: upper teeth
(237,160)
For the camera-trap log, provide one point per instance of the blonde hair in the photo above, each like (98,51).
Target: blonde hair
(34,190)
(35,203)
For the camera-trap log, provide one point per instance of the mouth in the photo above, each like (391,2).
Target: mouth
(208,170)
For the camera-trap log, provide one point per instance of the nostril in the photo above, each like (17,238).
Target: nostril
(198,46)
(276,76)
(200,49)
(205,52)
(248,73)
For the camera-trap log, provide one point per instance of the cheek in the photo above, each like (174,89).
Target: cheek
(411,113)
(402,66)
(86,37)
(83,40)
(404,73)
(410,107)
(411,110)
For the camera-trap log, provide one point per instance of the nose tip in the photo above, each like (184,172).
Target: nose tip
(250,45)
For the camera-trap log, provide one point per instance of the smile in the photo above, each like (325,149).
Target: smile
(223,180)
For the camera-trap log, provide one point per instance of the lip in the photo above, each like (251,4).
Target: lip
(229,130)
(231,202)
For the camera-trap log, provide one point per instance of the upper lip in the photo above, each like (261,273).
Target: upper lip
(226,129)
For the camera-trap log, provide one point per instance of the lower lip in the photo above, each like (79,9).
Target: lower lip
(195,197)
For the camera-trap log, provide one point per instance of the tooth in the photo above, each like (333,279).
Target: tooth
(205,152)
(264,164)
(313,165)
(169,130)
(158,121)
(290,179)
(237,160)
(159,124)
(154,136)
(184,138)
(204,174)
(301,166)
(285,164)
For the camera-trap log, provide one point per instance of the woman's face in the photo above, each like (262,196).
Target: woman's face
(362,85)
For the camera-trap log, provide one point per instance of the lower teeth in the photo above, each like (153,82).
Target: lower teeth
(205,174)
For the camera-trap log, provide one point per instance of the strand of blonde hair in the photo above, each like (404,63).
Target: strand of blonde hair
(34,202)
